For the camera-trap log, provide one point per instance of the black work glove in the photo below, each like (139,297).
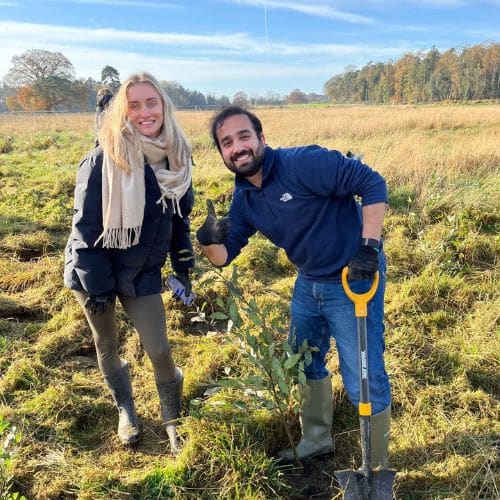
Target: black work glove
(183,277)
(364,264)
(98,304)
(213,231)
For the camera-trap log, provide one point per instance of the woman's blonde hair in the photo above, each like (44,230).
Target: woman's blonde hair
(117,131)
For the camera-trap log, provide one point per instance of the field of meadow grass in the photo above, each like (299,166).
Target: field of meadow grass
(442,243)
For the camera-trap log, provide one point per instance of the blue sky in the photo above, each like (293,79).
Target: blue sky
(225,46)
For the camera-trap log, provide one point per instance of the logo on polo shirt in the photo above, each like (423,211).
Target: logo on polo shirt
(286,197)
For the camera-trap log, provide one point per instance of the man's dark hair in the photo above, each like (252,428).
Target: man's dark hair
(219,119)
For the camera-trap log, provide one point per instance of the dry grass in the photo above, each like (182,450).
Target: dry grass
(405,143)
(23,123)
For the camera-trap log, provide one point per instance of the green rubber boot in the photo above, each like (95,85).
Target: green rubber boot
(380,431)
(315,421)
(121,389)
(171,403)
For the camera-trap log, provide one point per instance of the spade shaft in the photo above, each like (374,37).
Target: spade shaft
(364,483)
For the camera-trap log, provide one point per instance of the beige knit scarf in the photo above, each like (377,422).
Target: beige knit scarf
(124,196)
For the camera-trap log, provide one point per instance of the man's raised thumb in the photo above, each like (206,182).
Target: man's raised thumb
(211,208)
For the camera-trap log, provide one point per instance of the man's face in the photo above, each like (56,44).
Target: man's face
(241,149)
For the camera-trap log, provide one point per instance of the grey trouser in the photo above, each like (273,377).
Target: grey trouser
(147,314)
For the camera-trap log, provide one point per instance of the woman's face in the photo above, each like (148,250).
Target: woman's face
(145,109)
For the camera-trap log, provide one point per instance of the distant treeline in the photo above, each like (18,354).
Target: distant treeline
(40,80)
(473,73)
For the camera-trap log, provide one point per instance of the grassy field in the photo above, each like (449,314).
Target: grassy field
(442,315)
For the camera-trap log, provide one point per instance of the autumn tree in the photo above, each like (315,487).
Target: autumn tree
(110,78)
(296,97)
(177,93)
(6,93)
(313,97)
(58,92)
(342,87)
(405,78)
(12,103)
(387,83)
(423,77)
(333,88)
(425,72)
(223,101)
(272,98)
(35,65)
(29,100)
(474,77)
(445,78)
(196,98)
(87,88)
(492,70)
(48,75)
(240,99)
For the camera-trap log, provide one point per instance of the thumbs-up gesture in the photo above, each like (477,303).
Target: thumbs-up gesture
(214,230)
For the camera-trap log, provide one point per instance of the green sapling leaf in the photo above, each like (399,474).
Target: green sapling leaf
(283,387)
(231,383)
(218,315)
(292,361)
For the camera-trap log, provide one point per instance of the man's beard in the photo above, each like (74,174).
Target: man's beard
(251,168)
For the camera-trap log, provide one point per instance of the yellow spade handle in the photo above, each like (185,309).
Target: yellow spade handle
(360,299)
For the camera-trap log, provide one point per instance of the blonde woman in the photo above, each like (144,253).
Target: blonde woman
(133,198)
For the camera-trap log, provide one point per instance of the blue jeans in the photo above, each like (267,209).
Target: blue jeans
(322,310)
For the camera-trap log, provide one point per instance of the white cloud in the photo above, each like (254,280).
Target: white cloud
(54,33)
(319,10)
(218,63)
(217,76)
(239,45)
(492,35)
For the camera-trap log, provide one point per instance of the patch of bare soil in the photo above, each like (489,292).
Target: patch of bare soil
(314,481)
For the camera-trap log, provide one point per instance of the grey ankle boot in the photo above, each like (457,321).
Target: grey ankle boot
(171,402)
(380,430)
(315,421)
(121,390)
